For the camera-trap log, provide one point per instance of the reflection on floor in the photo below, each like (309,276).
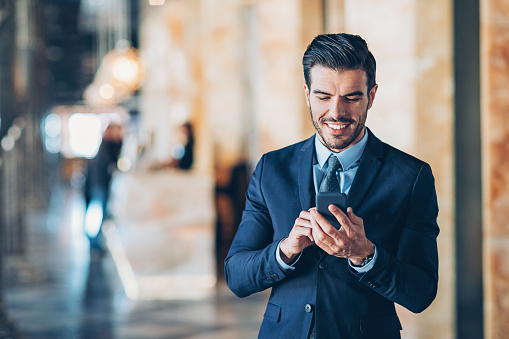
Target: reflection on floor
(58,291)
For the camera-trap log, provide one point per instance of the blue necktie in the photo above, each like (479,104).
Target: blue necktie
(330,181)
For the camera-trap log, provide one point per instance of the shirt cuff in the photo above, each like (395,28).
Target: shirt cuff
(366,268)
(280,261)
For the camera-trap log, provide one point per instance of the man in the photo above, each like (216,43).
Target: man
(328,282)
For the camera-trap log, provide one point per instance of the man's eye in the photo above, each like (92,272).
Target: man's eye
(353,99)
(323,98)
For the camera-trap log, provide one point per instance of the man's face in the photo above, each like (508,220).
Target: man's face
(339,101)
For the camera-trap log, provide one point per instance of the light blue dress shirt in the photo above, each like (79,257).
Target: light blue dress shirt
(350,160)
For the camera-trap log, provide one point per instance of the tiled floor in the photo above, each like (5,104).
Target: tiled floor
(58,291)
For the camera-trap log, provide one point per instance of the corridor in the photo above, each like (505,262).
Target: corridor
(196,91)
(59,291)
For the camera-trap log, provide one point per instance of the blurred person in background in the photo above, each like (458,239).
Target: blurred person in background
(97,185)
(182,152)
(343,281)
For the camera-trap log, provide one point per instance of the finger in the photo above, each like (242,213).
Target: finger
(305,215)
(324,233)
(315,226)
(324,241)
(353,218)
(321,222)
(342,218)
(302,231)
(303,222)
(354,224)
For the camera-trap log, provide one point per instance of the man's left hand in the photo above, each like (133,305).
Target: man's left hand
(348,242)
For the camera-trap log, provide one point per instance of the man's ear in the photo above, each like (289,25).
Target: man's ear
(371,95)
(306,92)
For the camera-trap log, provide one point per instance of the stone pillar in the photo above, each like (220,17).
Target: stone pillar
(334,16)
(434,143)
(172,94)
(412,43)
(7,57)
(495,150)
(7,115)
(281,114)
(223,91)
(31,79)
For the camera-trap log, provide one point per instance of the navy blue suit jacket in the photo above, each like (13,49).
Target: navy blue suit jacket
(393,192)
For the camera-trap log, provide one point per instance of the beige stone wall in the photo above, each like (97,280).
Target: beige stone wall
(170,47)
(435,144)
(276,78)
(334,16)
(495,147)
(280,113)
(224,93)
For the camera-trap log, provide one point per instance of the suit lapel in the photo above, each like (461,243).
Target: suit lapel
(305,175)
(368,170)
(307,159)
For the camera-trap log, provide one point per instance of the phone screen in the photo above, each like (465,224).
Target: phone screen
(324,199)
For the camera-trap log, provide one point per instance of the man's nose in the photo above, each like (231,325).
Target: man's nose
(337,110)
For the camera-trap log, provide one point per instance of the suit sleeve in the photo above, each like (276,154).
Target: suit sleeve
(410,277)
(251,265)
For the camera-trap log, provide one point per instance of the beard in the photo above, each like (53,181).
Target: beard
(339,142)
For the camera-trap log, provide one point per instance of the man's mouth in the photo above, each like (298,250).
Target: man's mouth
(337,126)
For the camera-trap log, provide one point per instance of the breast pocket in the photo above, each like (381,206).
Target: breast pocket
(272,312)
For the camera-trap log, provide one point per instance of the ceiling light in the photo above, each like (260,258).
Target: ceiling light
(156,2)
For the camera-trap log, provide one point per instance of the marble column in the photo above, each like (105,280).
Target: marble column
(154,206)
(434,107)
(495,150)
(224,96)
(334,16)
(280,114)
(170,49)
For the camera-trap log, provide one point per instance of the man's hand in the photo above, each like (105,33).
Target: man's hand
(348,242)
(300,237)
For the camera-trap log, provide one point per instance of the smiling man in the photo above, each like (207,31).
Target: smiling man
(339,103)
(338,282)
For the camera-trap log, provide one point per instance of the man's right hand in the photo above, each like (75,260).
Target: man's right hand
(300,237)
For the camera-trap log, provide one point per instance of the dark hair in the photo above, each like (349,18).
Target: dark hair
(339,51)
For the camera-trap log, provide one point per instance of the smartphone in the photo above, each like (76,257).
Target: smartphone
(324,199)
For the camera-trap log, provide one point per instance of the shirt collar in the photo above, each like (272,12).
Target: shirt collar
(347,158)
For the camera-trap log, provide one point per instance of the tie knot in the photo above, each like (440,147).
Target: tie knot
(330,182)
(334,164)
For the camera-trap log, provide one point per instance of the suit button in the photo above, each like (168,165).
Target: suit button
(308,308)
(273,277)
(322,265)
